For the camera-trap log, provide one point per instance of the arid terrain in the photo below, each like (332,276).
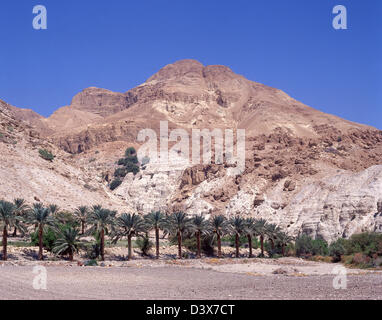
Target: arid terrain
(206,279)
(305,170)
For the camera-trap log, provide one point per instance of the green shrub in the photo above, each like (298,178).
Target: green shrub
(362,261)
(337,249)
(48,239)
(92,251)
(132,159)
(144,244)
(120,172)
(207,244)
(368,243)
(130,151)
(115,184)
(306,246)
(131,167)
(46,155)
(231,240)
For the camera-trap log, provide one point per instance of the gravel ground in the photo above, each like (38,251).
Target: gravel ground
(178,282)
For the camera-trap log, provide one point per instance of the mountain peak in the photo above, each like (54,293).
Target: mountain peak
(178,69)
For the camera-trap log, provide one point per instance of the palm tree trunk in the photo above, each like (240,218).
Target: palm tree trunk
(272,244)
(219,245)
(250,245)
(14,232)
(283,250)
(262,245)
(157,241)
(40,242)
(180,245)
(5,239)
(129,247)
(237,245)
(103,244)
(198,243)
(70,255)
(83,227)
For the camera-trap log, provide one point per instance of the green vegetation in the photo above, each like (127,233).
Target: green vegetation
(115,184)
(306,246)
(126,165)
(59,231)
(144,244)
(46,155)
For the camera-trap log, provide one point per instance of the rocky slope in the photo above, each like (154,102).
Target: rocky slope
(305,170)
(25,174)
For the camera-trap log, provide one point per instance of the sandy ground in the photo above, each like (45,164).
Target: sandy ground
(188,279)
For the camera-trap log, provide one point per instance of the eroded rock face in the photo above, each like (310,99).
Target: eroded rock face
(100,101)
(379,206)
(336,206)
(333,207)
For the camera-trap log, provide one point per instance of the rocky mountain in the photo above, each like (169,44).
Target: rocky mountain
(25,174)
(305,170)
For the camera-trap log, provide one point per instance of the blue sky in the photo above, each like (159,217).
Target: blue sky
(118,44)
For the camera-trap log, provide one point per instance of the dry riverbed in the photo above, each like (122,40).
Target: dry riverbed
(285,278)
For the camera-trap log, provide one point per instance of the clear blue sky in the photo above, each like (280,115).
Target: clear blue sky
(118,44)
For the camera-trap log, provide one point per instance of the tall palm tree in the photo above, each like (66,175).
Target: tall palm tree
(199,228)
(129,225)
(101,220)
(237,227)
(20,210)
(155,220)
(218,226)
(40,217)
(177,224)
(67,242)
(250,231)
(7,219)
(272,230)
(81,213)
(284,239)
(261,230)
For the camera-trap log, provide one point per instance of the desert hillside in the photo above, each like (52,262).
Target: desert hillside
(305,170)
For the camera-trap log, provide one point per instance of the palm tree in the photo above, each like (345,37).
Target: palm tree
(155,220)
(218,226)
(81,213)
(250,231)
(54,209)
(129,225)
(261,230)
(101,219)
(20,210)
(7,218)
(284,239)
(177,224)
(199,228)
(67,242)
(40,217)
(237,227)
(272,230)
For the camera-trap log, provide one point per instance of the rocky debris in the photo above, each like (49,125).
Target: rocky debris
(280,271)
(289,185)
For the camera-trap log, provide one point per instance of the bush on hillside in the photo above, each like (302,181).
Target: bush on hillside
(115,184)
(46,155)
